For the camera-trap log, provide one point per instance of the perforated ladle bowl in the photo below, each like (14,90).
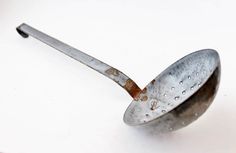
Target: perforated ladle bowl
(174,99)
(179,95)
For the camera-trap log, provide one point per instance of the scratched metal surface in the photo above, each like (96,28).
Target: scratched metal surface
(170,101)
(179,95)
(119,77)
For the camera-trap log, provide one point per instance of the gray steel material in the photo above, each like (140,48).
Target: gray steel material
(119,77)
(179,95)
(174,99)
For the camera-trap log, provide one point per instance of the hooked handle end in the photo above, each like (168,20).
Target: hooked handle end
(21,32)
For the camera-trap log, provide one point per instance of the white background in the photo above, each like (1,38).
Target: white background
(50,103)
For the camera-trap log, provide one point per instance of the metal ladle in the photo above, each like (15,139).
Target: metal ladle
(174,99)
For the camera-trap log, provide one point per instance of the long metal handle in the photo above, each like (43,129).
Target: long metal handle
(119,77)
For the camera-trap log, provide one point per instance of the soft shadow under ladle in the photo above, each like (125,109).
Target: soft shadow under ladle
(174,99)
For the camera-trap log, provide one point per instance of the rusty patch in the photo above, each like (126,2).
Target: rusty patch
(144,98)
(112,71)
(153,81)
(144,90)
(132,88)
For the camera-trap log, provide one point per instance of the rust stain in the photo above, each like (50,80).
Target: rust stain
(144,90)
(132,88)
(153,81)
(144,98)
(112,71)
